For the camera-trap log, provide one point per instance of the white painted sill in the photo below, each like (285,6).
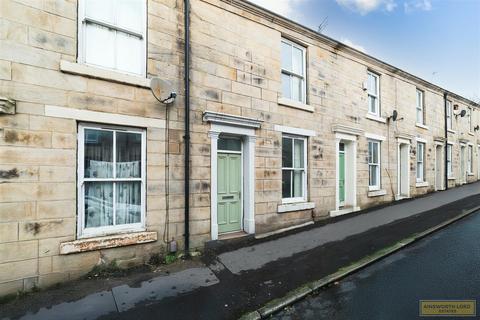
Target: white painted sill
(421,126)
(98,73)
(375,118)
(295,104)
(421,184)
(471,133)
(288,207)
(451,131)
(376,193)
(451,178)
(470,174)
(114,241)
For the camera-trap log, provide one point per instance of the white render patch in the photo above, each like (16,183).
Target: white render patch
(103,117)
(257,256)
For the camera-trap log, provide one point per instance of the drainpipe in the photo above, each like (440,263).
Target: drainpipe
(187,125)
(446,140)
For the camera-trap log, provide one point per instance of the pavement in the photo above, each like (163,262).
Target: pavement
(239,277)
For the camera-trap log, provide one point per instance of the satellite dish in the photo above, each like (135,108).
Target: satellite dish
(163,90)
(463,113)
(394,115)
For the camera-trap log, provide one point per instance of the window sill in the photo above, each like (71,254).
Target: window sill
(119,240)
(451,178)
(93,72)
(295,104)
(422,184)
(472,134)
(376,193)
(288,207)
(451,131)
(375,118)
(471,174)
(421,126)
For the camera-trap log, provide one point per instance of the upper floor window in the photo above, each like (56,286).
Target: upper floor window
(294,164)
(111,34)
(449,115)
(420,107)
(374,164)
(293,71)
(373,89)
(470,119)
(111,179)
(420,162)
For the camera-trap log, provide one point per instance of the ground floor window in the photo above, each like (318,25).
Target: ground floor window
(470,160)
(420,162)
(294,163)
(449,160)
(374,164)
(111,167)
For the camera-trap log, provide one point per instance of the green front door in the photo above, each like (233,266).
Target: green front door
(341,175)
(229,208)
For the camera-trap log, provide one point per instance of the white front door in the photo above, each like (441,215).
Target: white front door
(404,170)
(438,168)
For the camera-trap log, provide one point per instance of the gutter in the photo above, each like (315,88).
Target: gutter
(186,5)
(445,97)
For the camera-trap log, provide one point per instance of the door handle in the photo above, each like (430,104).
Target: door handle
(227,197)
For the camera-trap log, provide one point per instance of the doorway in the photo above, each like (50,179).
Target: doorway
(341,174)
(229,185)
(463,171)
(403,170)
(438,167)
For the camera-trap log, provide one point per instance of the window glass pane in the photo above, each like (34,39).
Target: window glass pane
(296,89)
(419,116)
(286,183)
(286,56)
(98,204)
(372,84)
(299,153)
(99,46)
(297,61)
(102,10)
(128,202)
(286,88)
(98,158)
(419,98)
(370,150)
(129,53)
(129,155)
(129,14)
(373,175)
(297,184)
(374,152)
(372,104)
(230,144)
(287,153)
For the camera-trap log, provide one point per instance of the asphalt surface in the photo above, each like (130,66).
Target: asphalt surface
(443,266)
(223,290)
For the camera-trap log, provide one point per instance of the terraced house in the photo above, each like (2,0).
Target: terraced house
(283,126)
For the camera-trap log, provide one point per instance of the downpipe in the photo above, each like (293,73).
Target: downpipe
(187,125)
(445,97)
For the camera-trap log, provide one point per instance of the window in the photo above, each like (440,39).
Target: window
(293,71)
(420,108)
(373,89)
(112,34)
(449,160)
(294,158)
(470,119)
(449,115)
(111,173)
(470,160)
(420,162)
(374,164)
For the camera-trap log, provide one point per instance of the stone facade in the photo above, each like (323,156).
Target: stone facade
(235,70)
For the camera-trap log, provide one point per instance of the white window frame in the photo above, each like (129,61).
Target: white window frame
(376,94)
(420,108)
(303,198)
(291,74)
(449,115)
(377,165)
(83,232)
(449,160)
(470,120)
(470,159)
(81,26)
(420,160)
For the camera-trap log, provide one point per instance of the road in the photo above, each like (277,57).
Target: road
(443,266)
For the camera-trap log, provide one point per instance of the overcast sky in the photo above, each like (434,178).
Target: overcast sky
(437,40)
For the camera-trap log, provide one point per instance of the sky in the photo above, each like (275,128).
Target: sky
(437,40)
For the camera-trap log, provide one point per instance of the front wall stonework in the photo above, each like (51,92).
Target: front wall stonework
(235,69)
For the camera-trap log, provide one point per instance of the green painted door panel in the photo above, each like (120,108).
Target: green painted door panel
(341,177)
(229,186)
